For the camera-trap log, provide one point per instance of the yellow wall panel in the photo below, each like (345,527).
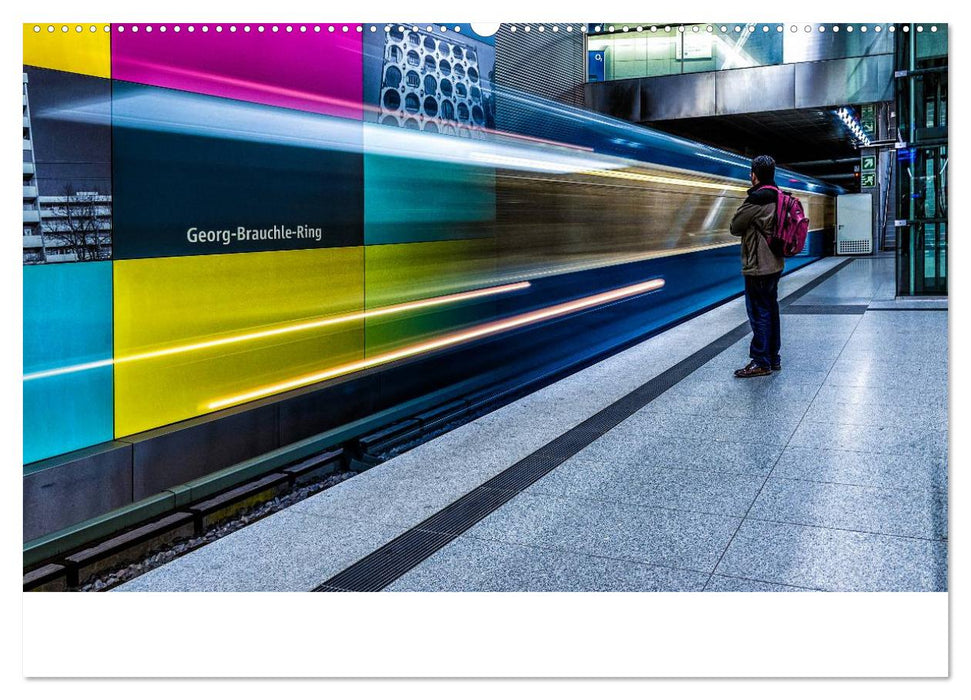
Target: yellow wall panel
(192,330)
(401,272)
(73,51)
(407,272)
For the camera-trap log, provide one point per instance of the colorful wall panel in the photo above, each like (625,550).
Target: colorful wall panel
(67,276)
(75,48)
(191,331)
(309,69)
(197,175)
(412,272)
(67,358)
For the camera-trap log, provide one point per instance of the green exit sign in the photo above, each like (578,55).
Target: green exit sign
(868,118)
(868,180)
(868,163)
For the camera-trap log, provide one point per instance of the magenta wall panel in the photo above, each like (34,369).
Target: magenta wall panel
(314,71)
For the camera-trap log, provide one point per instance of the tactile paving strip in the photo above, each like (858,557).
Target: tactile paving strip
(383,566)
(826,309)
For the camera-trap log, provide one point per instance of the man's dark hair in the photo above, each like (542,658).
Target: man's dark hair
(764,169)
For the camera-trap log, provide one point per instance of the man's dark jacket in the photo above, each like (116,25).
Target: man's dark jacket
(753,221)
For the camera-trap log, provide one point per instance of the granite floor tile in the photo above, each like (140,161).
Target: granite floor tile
(726,584)
(286,551)
(834,560)
(795,358)
(552,414)
(687,453)
(739,389)
(746,405)
(855,357)
(862,468)
(655,536)
(904,512)
(405,495)
(656,421)
(876,397)
(889,341)
(723,493)
(914,415)
(918,443)
(788,375)
(838,324)
(471,564)
(911,383)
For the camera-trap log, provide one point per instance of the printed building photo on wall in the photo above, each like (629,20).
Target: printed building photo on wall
(67,167)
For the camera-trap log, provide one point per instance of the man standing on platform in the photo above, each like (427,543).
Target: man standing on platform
(755,221)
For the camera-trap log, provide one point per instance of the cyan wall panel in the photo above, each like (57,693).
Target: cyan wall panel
(411,200)
(67,358)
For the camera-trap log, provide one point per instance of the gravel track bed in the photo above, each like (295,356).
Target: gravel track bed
(175,549)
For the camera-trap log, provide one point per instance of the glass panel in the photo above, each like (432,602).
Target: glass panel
(752,47)
(819,46)
(662,51)
(932,44)
(922,180)
(930,251)
(630,57)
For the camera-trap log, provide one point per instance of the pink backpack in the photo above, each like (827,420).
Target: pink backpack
(792,225)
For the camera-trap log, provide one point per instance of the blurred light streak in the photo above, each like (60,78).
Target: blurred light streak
(663,180)
(317,323)
(449,340)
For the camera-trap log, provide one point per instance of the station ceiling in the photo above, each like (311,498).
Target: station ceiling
(811,141)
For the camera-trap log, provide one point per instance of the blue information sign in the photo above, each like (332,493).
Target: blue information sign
(595,66)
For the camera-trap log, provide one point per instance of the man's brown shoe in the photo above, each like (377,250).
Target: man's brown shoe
(752,369)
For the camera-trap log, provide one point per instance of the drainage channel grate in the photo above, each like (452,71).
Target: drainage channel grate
(909,308)
(826,309)
(386,564)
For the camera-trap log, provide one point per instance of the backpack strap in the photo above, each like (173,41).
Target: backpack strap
(778,207)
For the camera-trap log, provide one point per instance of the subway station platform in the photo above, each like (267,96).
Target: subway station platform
(656,470)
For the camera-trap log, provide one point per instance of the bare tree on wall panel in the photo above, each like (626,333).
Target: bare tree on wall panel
(79,221)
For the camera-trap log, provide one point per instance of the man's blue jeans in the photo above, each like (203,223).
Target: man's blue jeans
(762,304)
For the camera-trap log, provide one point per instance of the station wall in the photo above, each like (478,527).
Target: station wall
(249,213)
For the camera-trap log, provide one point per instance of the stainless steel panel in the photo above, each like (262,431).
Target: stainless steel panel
(761,89)
(676,97)
(66,490)
(184,451)
(845,81)
(618,98)
(821,46)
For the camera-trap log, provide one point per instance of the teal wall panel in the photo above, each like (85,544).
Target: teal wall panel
(67,328)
